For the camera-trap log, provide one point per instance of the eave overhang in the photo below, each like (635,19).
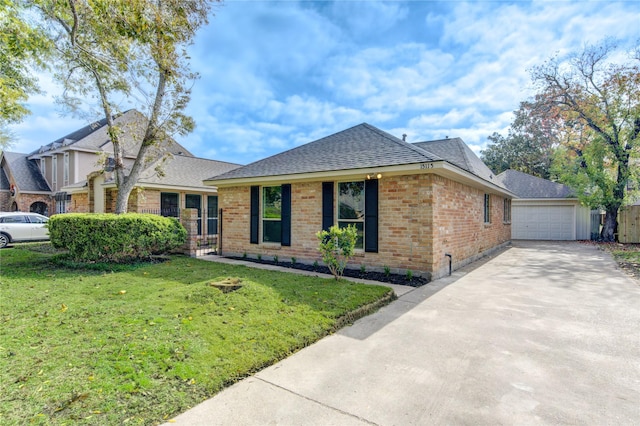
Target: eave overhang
(441,168)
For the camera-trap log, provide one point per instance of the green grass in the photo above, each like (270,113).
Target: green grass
(141,344)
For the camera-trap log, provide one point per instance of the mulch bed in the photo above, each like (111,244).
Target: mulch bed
(352,273)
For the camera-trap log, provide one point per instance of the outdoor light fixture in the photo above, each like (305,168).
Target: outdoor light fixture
(374,176)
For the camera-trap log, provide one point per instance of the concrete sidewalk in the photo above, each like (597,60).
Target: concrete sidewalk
(544,333)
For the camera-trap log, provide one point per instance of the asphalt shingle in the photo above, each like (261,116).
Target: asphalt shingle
(26,173)
(527,186)
(361,146)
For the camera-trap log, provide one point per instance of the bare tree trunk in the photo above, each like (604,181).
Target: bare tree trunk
(610,225)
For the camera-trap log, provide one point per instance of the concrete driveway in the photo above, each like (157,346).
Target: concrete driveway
(543,333)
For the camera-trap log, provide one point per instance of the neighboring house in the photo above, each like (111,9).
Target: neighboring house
(413,207)
(545,210)
(178,185)
(74,174)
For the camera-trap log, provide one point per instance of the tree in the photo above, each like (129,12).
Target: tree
(133,50)
(22,45)
(337,246)
(528,147)
(598,103)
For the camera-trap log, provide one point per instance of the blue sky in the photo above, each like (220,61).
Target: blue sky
(278,74)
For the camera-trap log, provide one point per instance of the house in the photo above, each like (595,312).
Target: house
(545,210)
(74,174)
(414,205)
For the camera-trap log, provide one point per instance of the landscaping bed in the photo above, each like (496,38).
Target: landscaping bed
(139,344)
(407,279)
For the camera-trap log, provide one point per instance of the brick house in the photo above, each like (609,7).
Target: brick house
(413,204)
(72,174)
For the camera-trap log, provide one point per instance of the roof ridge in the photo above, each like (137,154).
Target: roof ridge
(406,144)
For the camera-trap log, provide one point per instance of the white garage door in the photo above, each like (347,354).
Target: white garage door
(543,223)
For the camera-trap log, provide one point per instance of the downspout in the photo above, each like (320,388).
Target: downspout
(450,257)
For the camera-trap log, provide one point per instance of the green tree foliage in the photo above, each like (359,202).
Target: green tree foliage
(133,51)
(595,95)
(528,146)
(337,246)
(22,45)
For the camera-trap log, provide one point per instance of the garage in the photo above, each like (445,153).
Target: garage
(532,222)
(544,210)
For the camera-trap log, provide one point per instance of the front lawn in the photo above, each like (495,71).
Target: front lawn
(140,344)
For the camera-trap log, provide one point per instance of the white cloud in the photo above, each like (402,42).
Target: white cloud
(279,74)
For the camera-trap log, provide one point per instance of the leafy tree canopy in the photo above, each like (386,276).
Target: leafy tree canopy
(595,97)
(528,147)
(114,53)
(22,46)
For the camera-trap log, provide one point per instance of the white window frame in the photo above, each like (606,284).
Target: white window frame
(65,169)
(54,172)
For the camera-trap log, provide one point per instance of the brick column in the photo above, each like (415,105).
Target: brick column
(189,219)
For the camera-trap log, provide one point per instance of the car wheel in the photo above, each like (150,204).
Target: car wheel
(4,240)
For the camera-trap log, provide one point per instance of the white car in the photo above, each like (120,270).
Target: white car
(20,226)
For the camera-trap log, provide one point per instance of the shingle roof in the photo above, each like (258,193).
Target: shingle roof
(4,181)
(527,186)
(94,136)
(361,146)
(26,173)
(185,171)
(456,152)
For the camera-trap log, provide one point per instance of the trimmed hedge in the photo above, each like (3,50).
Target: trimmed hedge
(92,237)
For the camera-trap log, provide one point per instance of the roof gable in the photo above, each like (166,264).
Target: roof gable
(456,152)
(527,186)
(25,172)
(94,137)
(361,146)
(184,171)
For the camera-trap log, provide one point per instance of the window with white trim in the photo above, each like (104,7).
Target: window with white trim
(65,170)
(54,172)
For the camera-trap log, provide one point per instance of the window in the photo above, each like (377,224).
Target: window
(65,170)
(54,173)
(193,201)
(63,200)
(43,167)
(351,206)
(272,214)
(169,205)
(212,215)
(270,210)
(507,210)
(487,208)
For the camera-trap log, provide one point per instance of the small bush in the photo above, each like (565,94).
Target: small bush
(409,275)
(337,246)
(121,238)
(293,260)
(387,270)
(275,259)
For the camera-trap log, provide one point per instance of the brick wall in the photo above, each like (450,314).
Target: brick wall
(24,202)
(421,217)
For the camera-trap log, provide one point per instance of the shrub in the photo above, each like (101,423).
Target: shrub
(91,237)
(337,246)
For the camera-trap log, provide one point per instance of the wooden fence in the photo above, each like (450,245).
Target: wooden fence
(629,224)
